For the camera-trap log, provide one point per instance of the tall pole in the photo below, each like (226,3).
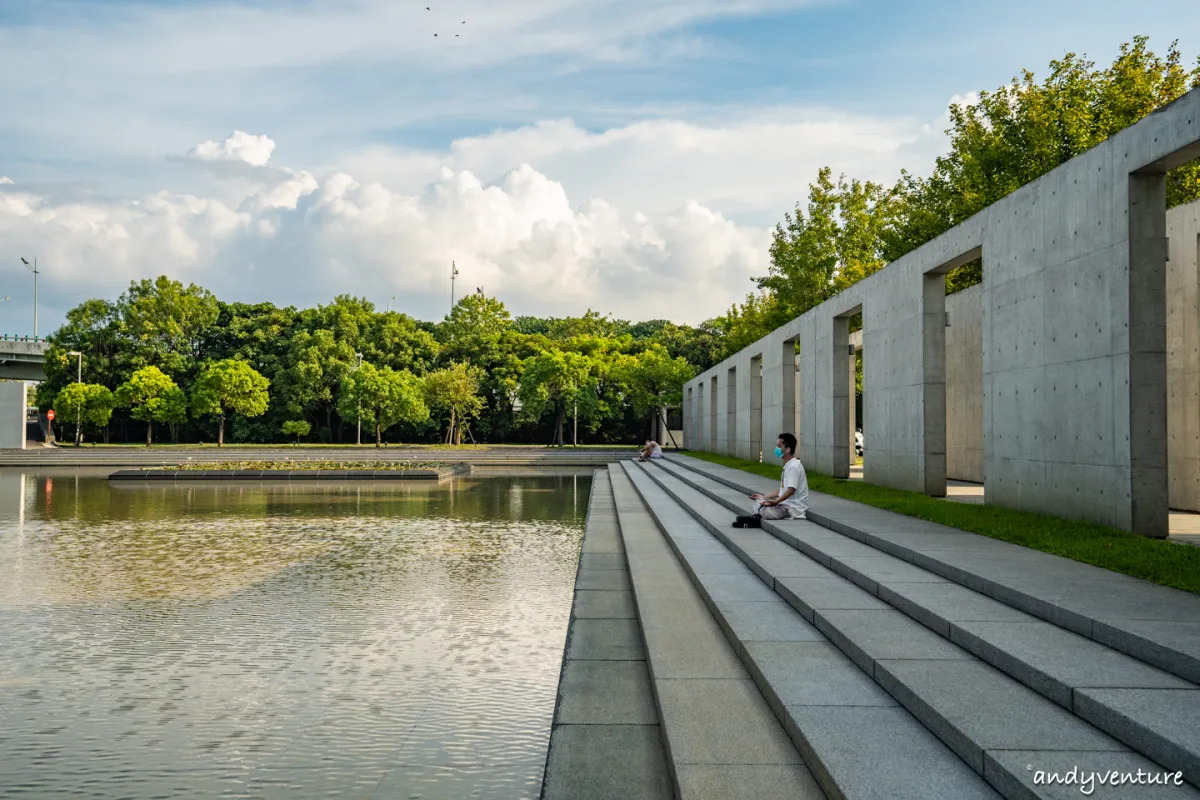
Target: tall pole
(33,268)
(358,363)
(79,411)
(453,275)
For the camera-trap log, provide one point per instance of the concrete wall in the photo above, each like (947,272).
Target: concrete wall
(1073,341)
(12,415)
(964,386)
(1183,357)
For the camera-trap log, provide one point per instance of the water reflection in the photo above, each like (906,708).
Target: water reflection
(307,640)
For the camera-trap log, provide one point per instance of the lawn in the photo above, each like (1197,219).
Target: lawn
(1169,563)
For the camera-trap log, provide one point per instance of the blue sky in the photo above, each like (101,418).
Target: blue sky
(660,139)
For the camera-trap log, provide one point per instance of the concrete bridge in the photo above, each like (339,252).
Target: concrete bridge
(22,358)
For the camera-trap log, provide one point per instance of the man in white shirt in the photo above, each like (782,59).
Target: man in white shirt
(651,450)
(790,501)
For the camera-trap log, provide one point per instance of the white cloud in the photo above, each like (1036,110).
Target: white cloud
(240,146)
(5,179)
(654,219)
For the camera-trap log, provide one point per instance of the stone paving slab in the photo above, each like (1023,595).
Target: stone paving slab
(975,708)
(606,693)
(737,782)
(598,561)
(1085,599)
(602,762)
(770,621)
(881,753)
(1056,662)
(721,722)
(872,636)
(1162,723)
(891,638)
(813,673)
(591,604)
(928,762)
(602,580)
(810,595)
(938,605)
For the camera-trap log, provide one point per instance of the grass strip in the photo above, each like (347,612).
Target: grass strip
(1159,560)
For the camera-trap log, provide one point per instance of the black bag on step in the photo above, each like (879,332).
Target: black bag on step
(748,521)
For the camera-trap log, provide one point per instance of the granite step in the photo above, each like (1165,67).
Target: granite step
(1152,711)
(1155,624)
(721,740)
(1002,729)
(857,740)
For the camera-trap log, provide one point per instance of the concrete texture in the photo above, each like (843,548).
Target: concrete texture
(12,415)
(1073,339)
(964,385)
(606,740)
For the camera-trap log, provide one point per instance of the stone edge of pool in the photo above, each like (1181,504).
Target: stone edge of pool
(439,474)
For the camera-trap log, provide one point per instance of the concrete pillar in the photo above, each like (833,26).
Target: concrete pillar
(12,414)
(756,412)
(841,396)
(1146,402)
(933,375)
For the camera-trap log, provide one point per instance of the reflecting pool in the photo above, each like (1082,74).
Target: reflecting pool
(366,640)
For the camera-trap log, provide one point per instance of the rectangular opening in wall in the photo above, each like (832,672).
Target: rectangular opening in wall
(844,393)
(731,444)
(953,331)
(1183,370)
(713,442)
(756,438)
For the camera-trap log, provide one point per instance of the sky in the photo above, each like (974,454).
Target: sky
(627,156)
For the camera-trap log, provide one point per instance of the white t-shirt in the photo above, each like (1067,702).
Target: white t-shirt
(655,450)
(794,478)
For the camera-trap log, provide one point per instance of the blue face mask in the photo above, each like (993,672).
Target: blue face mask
(779,452)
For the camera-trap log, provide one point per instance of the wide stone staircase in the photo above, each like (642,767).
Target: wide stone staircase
(901,659)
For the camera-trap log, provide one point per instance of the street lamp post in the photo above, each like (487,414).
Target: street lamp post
(358,363)
(33,268)
(389,305)
(453,275)
(79,410)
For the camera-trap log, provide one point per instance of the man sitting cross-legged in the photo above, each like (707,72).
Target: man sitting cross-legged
(790,501)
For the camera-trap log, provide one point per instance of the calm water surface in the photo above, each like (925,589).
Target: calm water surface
(254,640)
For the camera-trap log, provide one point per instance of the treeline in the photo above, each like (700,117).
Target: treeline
(174,356)
(851,228)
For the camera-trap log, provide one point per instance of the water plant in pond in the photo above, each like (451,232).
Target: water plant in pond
(303,464)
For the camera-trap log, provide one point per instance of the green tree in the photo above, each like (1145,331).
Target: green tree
(382,396)
(479,330)
(152,397)
(395,340)
(229,386)
(92,328)
(317,362)
(1020,132)
(297,428)
(656,380)
(553,380)
(85,404)
(453,392)
(167,324)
